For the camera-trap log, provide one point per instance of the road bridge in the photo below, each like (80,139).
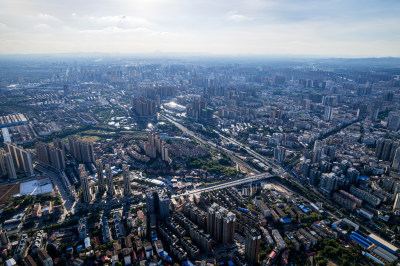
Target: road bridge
(232,183)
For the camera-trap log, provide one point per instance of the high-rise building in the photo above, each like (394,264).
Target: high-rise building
(84,183)
(27,162)
(163,207)
(74,148)
(152,139)
(330,100)
(82,151)
(87,152)
(252,246)
(42,152)
(155,145)
(317,145)
(396,160)
(57,157)
(150,150)
(150,203)
(100,174)
(22,159)
(328,113)
(198,109)
(228,228)
(211,219)
(127,180)
(7,165)
(3,170)
(279,154)
(395,145)
(12,174)
(352,175)
(379,148)
(396,205)
(58,143)
(374,114)
(221,224)
(143,107)
(158,143)
(4,239)
(109,177)
(393,121)
(158,205)
(50,155)
(387,147)
(66,90)
(164,153)
(10,148)
(330,152)
(328,182)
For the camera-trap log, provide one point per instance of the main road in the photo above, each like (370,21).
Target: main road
(276,169)
(242,164)
(223,185)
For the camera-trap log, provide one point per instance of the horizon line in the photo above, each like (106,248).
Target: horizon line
(196,54)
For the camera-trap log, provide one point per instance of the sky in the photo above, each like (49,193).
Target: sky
(334,28)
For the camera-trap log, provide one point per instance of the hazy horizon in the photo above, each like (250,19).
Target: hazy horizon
(309,28)
(172,55)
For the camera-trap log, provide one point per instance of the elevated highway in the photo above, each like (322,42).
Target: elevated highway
(232,183)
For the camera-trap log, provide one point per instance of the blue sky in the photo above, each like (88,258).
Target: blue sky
(277,27)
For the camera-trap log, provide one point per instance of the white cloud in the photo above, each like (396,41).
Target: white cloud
(226,26)
(120,19)
(234,16)
(41,26)
(116,30)
(45,16)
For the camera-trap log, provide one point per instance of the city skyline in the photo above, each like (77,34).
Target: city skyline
(171,132)
(332,28)
(199,160)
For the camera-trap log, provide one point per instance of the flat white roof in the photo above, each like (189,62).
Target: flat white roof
(157,182)
(6,134)
(36,187)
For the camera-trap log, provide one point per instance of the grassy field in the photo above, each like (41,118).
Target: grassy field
(89,138)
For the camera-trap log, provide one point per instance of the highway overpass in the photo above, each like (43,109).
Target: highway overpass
(226,184)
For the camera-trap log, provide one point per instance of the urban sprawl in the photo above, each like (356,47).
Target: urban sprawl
(171,162)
